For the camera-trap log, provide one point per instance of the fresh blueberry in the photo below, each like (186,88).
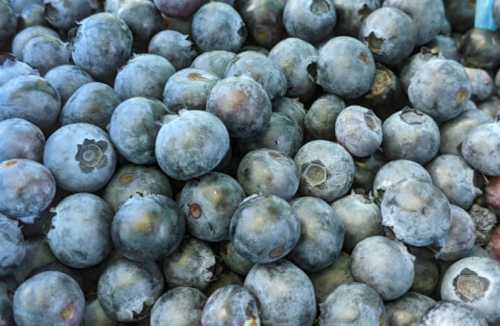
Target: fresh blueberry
(292,108)
(409,309)
(351,13)
(29,12)
(173,46)
(95,315)
(178,8)
(13,249)
(65,14)
(480,48)
(214,62)
(181,306)
(460,14)
(481,147)
(11,68)
(321,116)
(20,139)
(330,278)
(233,260)
(444,46)
(143,19)
(412,65)
(452,313)
(491,107)
(8,21)
(67,79)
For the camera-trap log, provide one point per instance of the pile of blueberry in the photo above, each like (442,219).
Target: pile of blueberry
(249,162)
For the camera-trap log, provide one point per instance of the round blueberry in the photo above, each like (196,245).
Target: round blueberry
(409,309)
(291,108)
(67,79)
(13,248)
(11,68)
(233,260)
(173,46)
(65,14)
(143,19)
(321,116)
(481,147)
(45,52)
(20,139)
(181,306)
(333,276)
(214,62)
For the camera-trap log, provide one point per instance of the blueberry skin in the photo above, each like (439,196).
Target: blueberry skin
(8,21)
(285,294)
(440,88)
(218,26)
(491,107)
(352,304)
(173,46)
(322,234)
(181,306)
(351,13)
(233,260)
(345,67)
(67,79)
(102,44)
(268,172)
(144,75)
(326,168)
(191,145)
(13,249)
(384,265)
(133,128)
(127,290)
(27,189)
(208,204)
(452,313)
(20,139)
(232,305)
(214,62)
(147,227)
(178,8)
(264,239)
(60,300)
(295,57)
(46,52)
(30,12)
(444,46)
(474,281)
(11,68)
(242,104)
(133,179)
(292,108)
(409,309)
(92,103)
(331,277)
(31,98)
(143,19)
(65,14)
(480,48)
(366,170)
(192,264)
(460,14)
(480,148)
(321,116)
(95,315)
(411,135)
(417,212)
(81,157)
(413,64)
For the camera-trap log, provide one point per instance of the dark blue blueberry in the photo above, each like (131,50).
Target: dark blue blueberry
(67,79)
(310,20)
(173,46)
(45,52)
(481,84)
(20,139)
(178,8)
(25,35)
(481,148)
(412,65)
(143,19)
(13,249)
(11,68)
(292,108)
(321,116)
(460,14)
(181,306)
(351,13)
(8,21)
(214,62)
(65,14)
(233,260)
(29,12)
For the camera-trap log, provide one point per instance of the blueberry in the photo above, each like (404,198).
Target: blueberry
(102,44)
(11,68)
(233,260)
(8,21)
(127,290)
(484,220)
(214,62)
(173,46)
(285,294)
(95,315)
(351,13)
(5,305)
(366,170)
(292,108)
(133,179)
(191,145)
(242,104)
(326,170)
(143,19)
(491,107)
(480,48)
(444,46)
(31,98)
(412,65)
(452,313)
(45,52)
(230,305)
(225,278)
(81,157)
(13,249)
(218,26)
(134,126)
(321,116)
(27,189)
(60,301)
(38,254)
(29,12)
(345,67)
(417,212)
(178,8)
(67,79)
(330,278)
(409,309)
(65,14)
(181,306)
(20,139)
(208,204)
(481,83)
(144,75)
(460,14)
(480,148)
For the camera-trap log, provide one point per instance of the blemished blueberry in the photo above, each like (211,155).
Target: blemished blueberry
(351,13)
(285,294)
(262,69)
(92,103)
(27,188)
(475,282)
(409,309)
(310,20)
(295,56)
(181,306)
(480,48)
(134,126)
(60,301)
(460,14)
(81,157)
(67,79)
(361,218)
(144,75)
(242,104)
(95,315)
(292,108)
(193,264)
(214,62)
(102,44)
(8,21)
(379,31)
(143,19)
(65,14)
(322,234)
(13,248)
(455,178)
(127,290)
(321,116)
(178,8)
(147,227)
(134,179)
(345,67)
(410,134)
(11,68)
(268,172)
(20,139)
(352,304)
(5,305)
(485,220)
(413,64)
(417,212)
(218,26)
(31,98)
(331,277)
(233,260)
(191,145)
(444,46)
(188,89)
(29,12)
(326,170)
(452,313)
(481,147)
(79,234)
(45,52)
(440,88)
(174,46)
(208,204)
